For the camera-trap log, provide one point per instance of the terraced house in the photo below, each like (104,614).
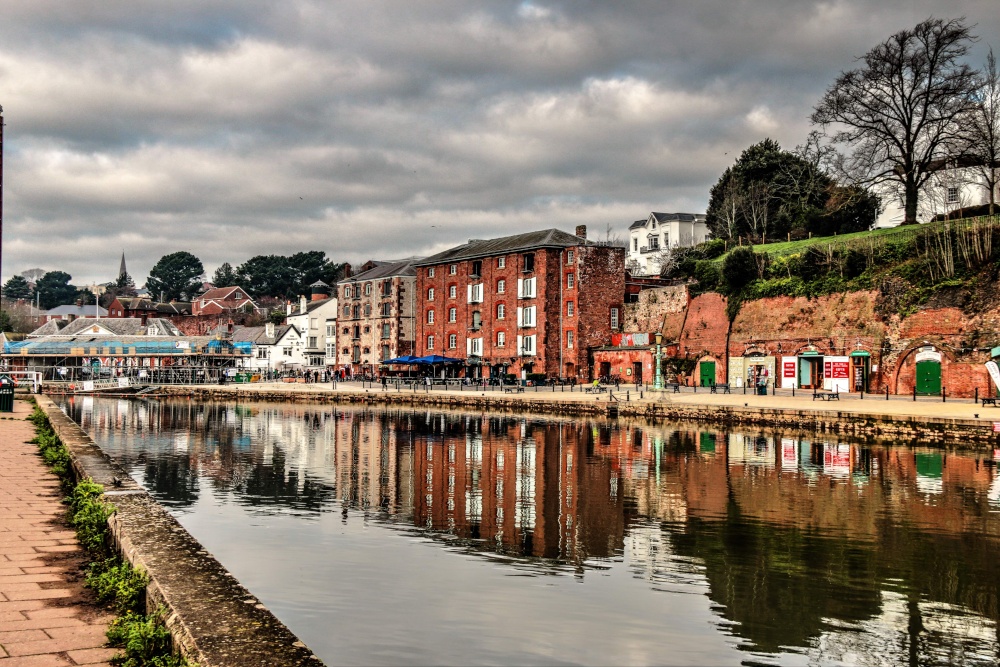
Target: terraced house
(376,316)
(531,303)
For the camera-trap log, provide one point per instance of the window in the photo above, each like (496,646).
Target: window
(452,269)
(347,351)
(385,352)
(501,339)
(475,293)
(287,351)
(262,353)
(386,310)
(430,317)
(430,272)
(357,333)
(386,288)
(386,330)
(654,242)
(430,294)
(569,309)
(952,195)
(347,330)
(331,350)
(347,311)
(329,329)
(356,355)
(569,256)
(526,288)
(312,323)
(635,245)
(474,347)
(452,341)
(368,289)
(501,286)
(477,268)
(356,312)
(570,280)
(430,342)
(452,314)
(526,317)
(526,345)
(501,262)
(368,310)
(501,311)
(312,342)
(452,291)
(614,318)
(569,339)
(368,329)
(528,262)
(477,320)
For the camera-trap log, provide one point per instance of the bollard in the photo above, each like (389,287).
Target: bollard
(976,400)
(914,391)
(862,394)
(626,396)
(640,394)
(887,392)
(944,395)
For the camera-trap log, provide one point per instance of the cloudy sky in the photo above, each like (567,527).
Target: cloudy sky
(233,128)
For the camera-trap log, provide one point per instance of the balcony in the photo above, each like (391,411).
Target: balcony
(644,250)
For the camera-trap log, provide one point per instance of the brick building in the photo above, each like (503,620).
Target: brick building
(529,303)
(376,316)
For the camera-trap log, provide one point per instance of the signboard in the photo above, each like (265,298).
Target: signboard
(788,369)
(630,339)
(789,372)
(836,373)
(991,366)
(123,382)
(88,385)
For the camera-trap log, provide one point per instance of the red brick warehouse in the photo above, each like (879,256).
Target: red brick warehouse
(529,303)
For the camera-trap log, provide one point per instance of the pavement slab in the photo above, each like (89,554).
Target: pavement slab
(47,618)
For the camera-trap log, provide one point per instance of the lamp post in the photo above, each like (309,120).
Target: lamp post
(658,378)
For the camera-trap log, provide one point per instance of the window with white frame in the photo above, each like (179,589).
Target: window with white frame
(569,309)
(526,288)
(501,311)
(614,318)
(526,345)
(452,291)
(526,317)
(452,341)
(474,347)
(501,286)
(430,317)
(430,293)
(368,289)
(430,342)
(952,195)
(331,350)
(430,272)
(570,255)
(452,269)
(569,340)
(570,280)
(501,262)
(329,328)
(452,314)
(262,353)
(475,293)
(312,342)
(501,339)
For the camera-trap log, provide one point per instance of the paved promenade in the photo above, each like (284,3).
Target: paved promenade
(873,404)
(45,614)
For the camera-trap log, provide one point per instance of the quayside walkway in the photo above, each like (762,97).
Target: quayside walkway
(872,404)
(46,616)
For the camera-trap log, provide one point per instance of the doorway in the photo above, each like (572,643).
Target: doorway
(637,372)
(706,373)
(928,377)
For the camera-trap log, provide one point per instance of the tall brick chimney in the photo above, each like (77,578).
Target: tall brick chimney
(581,231)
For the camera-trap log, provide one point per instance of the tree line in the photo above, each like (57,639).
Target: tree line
(912,110)
(180,276)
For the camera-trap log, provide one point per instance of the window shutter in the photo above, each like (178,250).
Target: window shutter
(469,290)
(520,344)
(468,346)
(520,317)
(520,287)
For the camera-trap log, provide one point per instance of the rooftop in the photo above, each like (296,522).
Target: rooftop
(545,238)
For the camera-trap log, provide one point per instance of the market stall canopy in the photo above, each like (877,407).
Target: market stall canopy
(436,359)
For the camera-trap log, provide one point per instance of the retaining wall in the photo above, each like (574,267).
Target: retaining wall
(212,618)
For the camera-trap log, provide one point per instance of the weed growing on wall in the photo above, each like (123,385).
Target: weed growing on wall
(144,639)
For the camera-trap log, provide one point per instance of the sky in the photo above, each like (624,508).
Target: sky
(391,129)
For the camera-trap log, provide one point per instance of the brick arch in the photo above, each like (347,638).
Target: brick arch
(946,354)
(720,369)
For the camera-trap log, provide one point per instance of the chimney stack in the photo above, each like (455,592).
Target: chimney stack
(302,304)
(269,329)
(581,231)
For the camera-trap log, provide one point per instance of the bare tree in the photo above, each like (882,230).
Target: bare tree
(732,204)
(756,209)
(32,275)
(984,129)
(901,111)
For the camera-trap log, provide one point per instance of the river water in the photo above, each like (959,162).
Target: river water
(392,537)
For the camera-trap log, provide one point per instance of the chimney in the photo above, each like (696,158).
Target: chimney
(269,329)
(288,308)
(302,303)
(144,319)
(581,231)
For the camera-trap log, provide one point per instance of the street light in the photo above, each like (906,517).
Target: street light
(658,378)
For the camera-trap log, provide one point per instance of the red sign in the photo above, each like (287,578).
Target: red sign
(789,369)
(996,429)
(840,370)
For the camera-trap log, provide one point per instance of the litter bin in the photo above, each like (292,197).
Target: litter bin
(6,393)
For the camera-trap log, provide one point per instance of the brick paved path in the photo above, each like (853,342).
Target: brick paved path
(46,617)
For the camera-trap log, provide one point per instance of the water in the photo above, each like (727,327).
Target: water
(413,537)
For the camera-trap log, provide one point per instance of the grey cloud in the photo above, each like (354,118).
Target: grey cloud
(392,129)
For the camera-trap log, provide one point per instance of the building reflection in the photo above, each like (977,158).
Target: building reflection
(791,536)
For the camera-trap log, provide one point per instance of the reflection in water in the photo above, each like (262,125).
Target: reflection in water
(806,549)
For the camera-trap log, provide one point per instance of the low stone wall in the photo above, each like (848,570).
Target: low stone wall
(966,433)
(212,618)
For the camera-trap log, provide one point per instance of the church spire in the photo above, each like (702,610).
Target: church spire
(122,271)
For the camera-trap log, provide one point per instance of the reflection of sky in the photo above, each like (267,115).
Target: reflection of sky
(368,587)
(394,597)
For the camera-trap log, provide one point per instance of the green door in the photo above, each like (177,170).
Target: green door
(928,377)
(707,373)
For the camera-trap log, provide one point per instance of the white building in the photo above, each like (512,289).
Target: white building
(950,189)
(317,322)
(651,239)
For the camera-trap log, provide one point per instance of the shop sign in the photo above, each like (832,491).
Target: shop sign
(928,354)
(788,369)
(836,370)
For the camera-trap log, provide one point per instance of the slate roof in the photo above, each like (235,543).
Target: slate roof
(669,217)
(148,305)
(223,294)
(118,326)
(385,270)
(73,309)
(258,335)
(545,238)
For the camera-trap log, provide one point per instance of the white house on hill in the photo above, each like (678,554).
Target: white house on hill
(650,239)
